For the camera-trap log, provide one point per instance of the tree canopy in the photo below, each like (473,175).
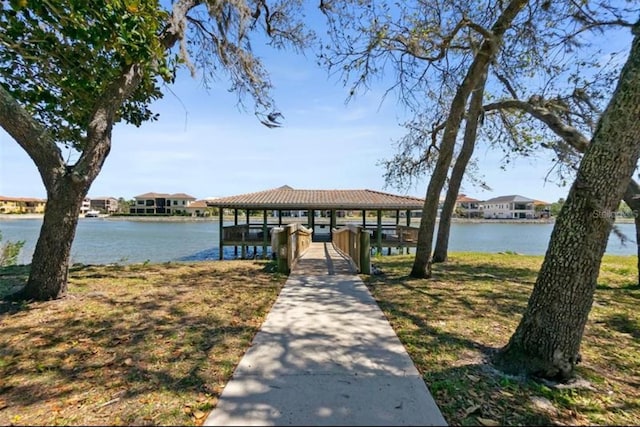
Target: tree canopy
(70,70)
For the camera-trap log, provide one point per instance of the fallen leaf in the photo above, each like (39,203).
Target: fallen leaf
(473,378)
(199,414)
(470,410)
(487,422)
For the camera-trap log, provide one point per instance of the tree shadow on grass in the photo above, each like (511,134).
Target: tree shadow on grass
(476,288)
(622,323)
(470,390)
(180,335)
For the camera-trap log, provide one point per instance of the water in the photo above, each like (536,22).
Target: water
(106,241)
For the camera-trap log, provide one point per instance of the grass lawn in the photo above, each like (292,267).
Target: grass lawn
(451,323)
(131,345)
(154,344)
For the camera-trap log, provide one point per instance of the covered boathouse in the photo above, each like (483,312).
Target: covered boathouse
(246,220)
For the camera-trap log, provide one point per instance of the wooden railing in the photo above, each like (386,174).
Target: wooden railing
(244,233)
(289,242)
(399,235)
(354,242)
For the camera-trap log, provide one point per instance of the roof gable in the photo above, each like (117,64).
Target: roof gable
(463,198)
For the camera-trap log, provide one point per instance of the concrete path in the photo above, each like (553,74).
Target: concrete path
(325,355)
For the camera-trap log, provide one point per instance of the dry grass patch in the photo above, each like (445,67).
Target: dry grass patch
(139,344)
(451,324)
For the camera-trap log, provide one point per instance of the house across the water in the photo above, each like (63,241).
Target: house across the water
(513,207)
(161,204)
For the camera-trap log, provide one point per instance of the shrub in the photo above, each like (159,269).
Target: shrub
(9,252)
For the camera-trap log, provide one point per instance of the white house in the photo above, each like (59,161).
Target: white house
(86,205)
(509,207)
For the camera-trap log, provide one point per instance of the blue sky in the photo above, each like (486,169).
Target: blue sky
(206,146)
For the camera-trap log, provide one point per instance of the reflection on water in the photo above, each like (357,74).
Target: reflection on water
(105,241)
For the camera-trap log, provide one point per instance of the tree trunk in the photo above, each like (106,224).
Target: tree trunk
(457,174)
(67,185)
(547,341)
(488,49)
(50,263)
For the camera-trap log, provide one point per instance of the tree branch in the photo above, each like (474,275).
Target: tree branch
(568,133)
(98,140)
(30,135)
(174,32)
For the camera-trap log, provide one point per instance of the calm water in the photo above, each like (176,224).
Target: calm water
(104,241)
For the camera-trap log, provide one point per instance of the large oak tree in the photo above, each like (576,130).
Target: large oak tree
(547,340)
(70,70)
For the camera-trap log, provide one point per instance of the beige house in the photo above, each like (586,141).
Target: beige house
(542,208)
(198,208)
(106,205)
(161,204)
(468,207)
(22,205)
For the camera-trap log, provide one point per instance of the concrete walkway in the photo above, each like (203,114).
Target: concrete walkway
(325,355)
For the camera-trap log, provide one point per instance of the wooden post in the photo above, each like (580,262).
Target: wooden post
(245,246)
(379,237)
(235,222)
(332,223)
(298,241)
(365,252)
(400,236)
(408,225)
(265,234)
(283,251)
(221,231)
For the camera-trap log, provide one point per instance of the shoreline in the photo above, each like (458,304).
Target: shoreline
(415,221)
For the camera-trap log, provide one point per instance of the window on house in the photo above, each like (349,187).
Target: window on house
(140,202)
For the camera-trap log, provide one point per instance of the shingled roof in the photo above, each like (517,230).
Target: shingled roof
(288,198)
